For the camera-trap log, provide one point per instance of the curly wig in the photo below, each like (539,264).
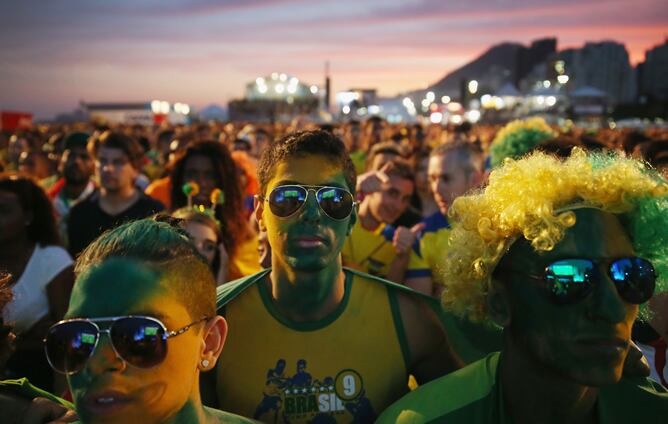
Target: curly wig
(531,198)
(518,138)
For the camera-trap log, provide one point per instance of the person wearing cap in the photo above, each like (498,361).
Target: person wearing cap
(561,254)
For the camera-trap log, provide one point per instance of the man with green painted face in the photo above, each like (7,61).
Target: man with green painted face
(359,335)
(140,328)
(560,253)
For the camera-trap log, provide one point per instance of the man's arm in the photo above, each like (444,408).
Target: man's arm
(431,355)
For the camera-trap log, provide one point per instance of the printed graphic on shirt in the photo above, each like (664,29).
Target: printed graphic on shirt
(299,397)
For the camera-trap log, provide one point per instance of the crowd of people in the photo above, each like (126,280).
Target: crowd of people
(319,273)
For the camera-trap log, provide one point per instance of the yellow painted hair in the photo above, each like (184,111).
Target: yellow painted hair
(523,198)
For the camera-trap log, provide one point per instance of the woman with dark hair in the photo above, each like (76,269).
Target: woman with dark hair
(210,165)
(42,273)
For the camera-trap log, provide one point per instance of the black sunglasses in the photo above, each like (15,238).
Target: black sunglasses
(571,280)
(336,202)
(140,341)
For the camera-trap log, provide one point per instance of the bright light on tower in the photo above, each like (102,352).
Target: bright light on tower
(164,108)
(280,88)
(283,77)
(436,117)
(259,81)
(473,86)
(262,89)
(314,89)
(546,84)
(445,99)
(155,106)
(430,96)
(563,79)
(473,116)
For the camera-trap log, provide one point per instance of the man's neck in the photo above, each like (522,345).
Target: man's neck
(72,190)
(115,202)
(193,412)
(306,296)
(535,394)
(367,220)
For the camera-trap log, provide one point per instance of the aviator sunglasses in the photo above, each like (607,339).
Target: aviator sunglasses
(571,280)
(336,202)
(140,341)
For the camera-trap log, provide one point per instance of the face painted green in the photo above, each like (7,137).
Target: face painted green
(586,341)
(111,390)
(309,240)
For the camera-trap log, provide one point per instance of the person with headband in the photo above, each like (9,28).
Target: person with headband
(561,254)
(140,328)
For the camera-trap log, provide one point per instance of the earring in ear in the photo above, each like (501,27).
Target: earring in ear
(205,363)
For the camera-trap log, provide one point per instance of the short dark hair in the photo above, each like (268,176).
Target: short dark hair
(75,140)
(385,147)
(468,155)
(400,168)
(165,249)
(117,140)
(304,143)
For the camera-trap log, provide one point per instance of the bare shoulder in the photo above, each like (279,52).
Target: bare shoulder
(431,355)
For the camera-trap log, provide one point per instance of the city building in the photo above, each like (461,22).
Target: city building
(276,97)
(144,113)
(653,73)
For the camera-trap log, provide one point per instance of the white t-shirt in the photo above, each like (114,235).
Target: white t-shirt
(30,303)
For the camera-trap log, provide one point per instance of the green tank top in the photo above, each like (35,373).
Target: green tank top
(345,368)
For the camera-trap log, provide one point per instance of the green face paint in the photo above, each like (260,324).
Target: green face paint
(586,340)
(110,390)
(309,240)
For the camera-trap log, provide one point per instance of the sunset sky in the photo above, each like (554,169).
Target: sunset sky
(55,53)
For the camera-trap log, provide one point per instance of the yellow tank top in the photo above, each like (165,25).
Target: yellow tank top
(345,368)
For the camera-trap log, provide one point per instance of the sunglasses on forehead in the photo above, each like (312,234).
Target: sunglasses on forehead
(336,202)
(140,341)
(569,281)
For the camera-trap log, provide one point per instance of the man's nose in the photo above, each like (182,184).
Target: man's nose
(311,210)
(606,303)
(104,358)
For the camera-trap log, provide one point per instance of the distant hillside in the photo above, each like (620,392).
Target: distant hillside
(502,63)
(499,58)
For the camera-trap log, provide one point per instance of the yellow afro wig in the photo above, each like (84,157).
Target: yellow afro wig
(523,198)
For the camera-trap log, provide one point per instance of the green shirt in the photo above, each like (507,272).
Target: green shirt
(473,395)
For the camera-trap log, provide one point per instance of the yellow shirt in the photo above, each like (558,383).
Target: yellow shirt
(246,259)
(372,252)
(347,367)
(434,244)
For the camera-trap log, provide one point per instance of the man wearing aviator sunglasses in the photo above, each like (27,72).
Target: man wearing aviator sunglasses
(561,254)
(140,329)
(313,341)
